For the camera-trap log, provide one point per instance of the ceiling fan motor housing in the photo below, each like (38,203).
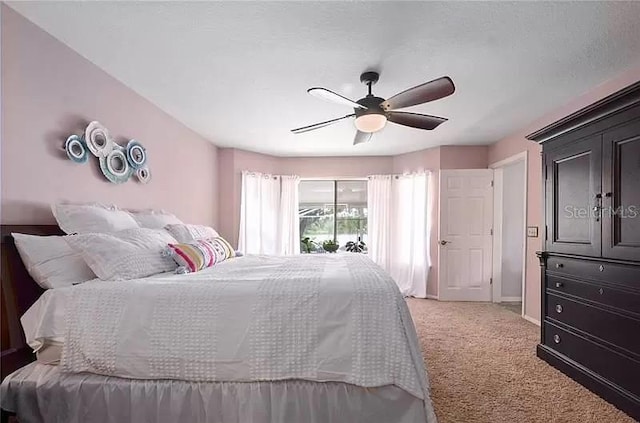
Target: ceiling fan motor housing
(372,104)
(373,118)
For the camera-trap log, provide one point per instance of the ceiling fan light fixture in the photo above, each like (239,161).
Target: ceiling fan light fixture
(371,122)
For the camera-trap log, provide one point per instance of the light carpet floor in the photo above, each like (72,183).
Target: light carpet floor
(482,367)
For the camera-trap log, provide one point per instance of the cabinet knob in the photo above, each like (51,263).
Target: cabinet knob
(559,284)
(558,308)
(556,338)
(559,265)
(608,194)
(601,291)
(601,268)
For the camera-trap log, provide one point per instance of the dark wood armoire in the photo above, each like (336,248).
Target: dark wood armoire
(591,258)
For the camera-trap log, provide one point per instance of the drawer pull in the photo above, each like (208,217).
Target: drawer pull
(558,308)
(559,265)
(559,284)
(601,291)
(556,338)
(601,268)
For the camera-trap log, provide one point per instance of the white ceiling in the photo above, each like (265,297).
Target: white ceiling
(237,72)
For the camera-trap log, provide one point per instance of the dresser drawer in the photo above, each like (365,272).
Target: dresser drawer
(615,273)
(609,326)
(617,368)
(626,300)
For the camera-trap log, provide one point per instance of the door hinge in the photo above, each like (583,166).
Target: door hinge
(491,231)
(490,281)
(492,182)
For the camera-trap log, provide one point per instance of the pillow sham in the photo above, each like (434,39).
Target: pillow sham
(154,219)
(200,254)
(129,254)
(187,233)
(91,218)
(50,261)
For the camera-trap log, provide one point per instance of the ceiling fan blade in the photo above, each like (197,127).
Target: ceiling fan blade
(329,95)
(320,125)
(362,137)
(415,120)
(429,91)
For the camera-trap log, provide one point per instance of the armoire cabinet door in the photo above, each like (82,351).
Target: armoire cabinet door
(573,202)
(621,186)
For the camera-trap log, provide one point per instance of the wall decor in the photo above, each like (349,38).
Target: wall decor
(117,163)
(76,149)
(98,139)
(143,175)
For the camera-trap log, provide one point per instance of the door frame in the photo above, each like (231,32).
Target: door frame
(498,193)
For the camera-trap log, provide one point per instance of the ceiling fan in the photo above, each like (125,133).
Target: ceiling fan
(372,113)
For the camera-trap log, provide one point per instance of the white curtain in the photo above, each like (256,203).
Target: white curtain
(399,230)
(269,222)
(379,219)
(289,219)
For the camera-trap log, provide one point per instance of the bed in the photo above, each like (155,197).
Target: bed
(254,339)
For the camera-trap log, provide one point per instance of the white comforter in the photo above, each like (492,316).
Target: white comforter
(335,317)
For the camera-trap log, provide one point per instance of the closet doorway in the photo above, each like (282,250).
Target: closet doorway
(510,230)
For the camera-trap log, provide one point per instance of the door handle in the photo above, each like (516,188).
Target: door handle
(443,242)
(598,206)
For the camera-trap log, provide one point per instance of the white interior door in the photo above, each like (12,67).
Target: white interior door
(464,235)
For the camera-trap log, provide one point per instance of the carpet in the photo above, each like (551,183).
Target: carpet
(482,367)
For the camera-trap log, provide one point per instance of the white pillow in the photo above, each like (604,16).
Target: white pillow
(129,254)
(89,218)
(187,233)
(50,261)
(154,219)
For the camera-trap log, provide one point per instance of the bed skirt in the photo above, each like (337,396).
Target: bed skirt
(40,393)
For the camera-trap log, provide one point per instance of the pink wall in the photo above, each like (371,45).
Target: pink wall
(50,92)
(338,167)
(517,143)
(464,157)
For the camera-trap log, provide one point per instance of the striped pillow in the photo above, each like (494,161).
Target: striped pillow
(200,254)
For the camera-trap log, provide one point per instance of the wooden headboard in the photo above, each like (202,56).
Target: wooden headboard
(18,292)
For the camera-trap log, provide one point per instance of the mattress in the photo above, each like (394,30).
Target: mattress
(43,394)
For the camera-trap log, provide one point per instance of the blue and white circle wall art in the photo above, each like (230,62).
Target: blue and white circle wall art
(76,149)
(136,154)
(143,175)
(98,139)
(115,166)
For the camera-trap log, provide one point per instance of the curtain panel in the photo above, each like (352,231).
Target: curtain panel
(269,221)
(399,229)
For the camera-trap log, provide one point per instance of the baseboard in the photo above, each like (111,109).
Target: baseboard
(531,319)
(624,400)
(510,299)
(432,297)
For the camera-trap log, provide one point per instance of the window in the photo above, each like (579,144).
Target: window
(333,210)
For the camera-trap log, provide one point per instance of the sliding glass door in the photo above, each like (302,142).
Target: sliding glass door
(332,210)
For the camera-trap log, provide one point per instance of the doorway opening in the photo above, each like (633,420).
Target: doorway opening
(510,231)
